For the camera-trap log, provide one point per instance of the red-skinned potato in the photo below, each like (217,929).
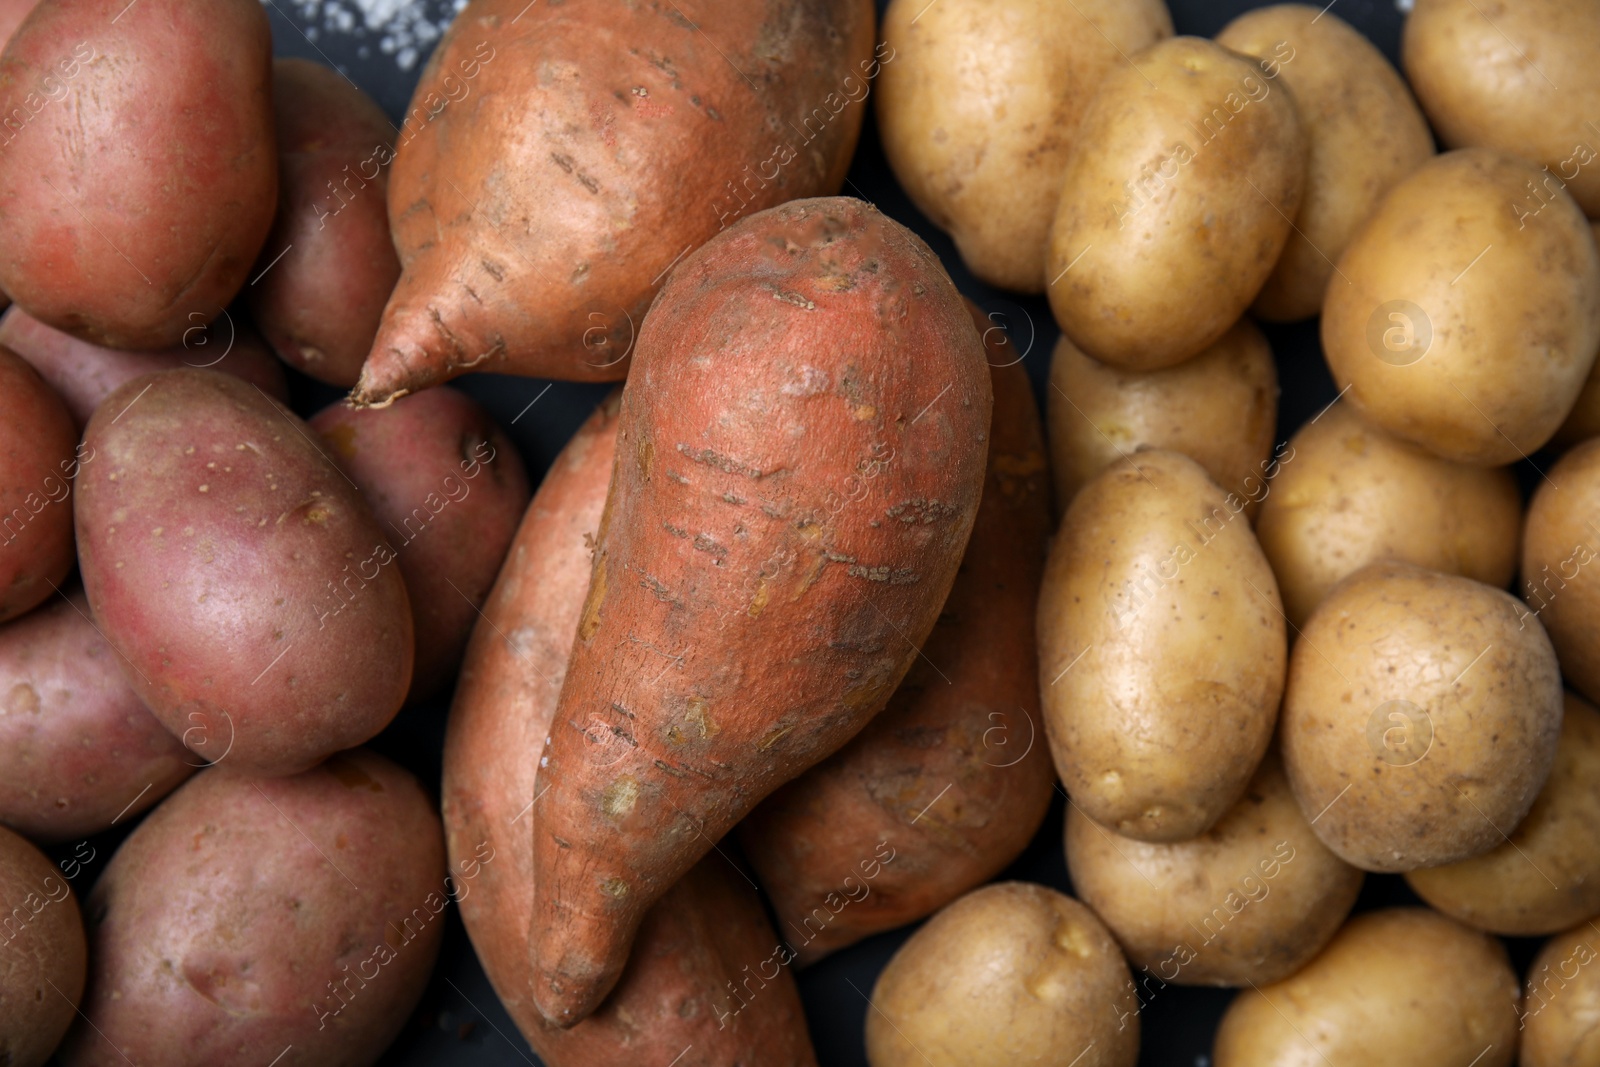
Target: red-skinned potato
(448,489)
(695,942)
(38,464)
(240,573)
(799,461)
(319,304)
(12,12)
(537,213)
(246,915)
(136,196)
(44,949)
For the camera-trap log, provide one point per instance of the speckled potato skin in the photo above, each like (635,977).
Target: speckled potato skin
(78,748)
(673,996)
(1161,649)
(1144,185)
(240,573)
(1010,973)
(1559,583)
(953,777)
(800,459)
(978,107)
(559,160)
(1396,988)
(1484,711)
(1512,311)
(1219,409)
(448,489)
(1584,420)
(136,196)
(247,914)
(44,947)
(39,460)
(1561,1001)
(1249,901)
(1346,494)
(319,305)
(1517,76)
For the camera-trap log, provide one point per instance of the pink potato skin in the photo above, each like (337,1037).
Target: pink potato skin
(84,374)
(38,462)
(244,915)
(448,490)
(140,179)
(78,749)
(240,573)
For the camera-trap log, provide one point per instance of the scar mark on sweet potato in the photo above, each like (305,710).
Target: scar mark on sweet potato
(590,622)
(775,735)
(493,269)
(659,590)
(897,576)
(725,464)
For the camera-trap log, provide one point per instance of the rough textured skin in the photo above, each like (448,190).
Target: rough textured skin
(979,104)
(799,462)
(673,994)
(1396,988)
(320,304)
(1364,132)
(44,947)
(559,160)
(1161,649)
(1561,1007)
(1175,205)
(1517,75)
(84,374)
(953,776)
(138,190)
(1424,705)
(78,749)
(1010,973)
(1509,311)
(1249,901)
(1346,494)
(38,463)
(1584,420)
(240,573)
(1560,561)
(247,914)
(448,490)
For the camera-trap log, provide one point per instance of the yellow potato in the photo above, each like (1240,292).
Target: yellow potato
(1584,421)
(1364,132)
(1561,1005)
(1161,649)
(1560,577)
(1175,204)
(977,104)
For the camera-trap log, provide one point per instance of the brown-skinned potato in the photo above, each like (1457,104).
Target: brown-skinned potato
(1561,1001)
(45,955)
(1584,421)
(1559,549)
(39,460)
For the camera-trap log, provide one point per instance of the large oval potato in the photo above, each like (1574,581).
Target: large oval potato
(978,104)
(1161,649)
(1397,988)
(240,573)
(1561,1005)
(1364,132)
(1010,973)
(39,463)
(1456,326)
(1347,494)
(1559,545)
(1421,716)
(44,959)
(1188,157)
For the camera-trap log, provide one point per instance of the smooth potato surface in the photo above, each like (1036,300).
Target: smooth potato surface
(42,953)
(1561,1001)
(1560,545)
(39,463)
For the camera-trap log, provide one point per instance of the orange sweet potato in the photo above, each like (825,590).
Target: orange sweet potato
(559,159)
(38,466)
(799,460)
(673,999)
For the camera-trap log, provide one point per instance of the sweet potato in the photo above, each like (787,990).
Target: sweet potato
(673,998)
(328,266)
(448,490)
(240,573)
(559,160)
(799,461)
(954,775)
(137,169)
(38,464)
(43,959)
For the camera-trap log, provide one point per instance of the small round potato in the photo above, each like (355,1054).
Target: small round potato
(1456,326)
(1561,1004)
(1403,987)
(37,471)
(1421,715)
(1175,205)
(43,954)
(1347,494)
(1219,409)
(978,106)
(1546,875)
(1011,973)
(1560,577)
(1250,900)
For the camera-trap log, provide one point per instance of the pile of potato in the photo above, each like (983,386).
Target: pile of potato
(808,623)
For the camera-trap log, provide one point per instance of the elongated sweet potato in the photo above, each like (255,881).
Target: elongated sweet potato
(799,461)
(559,160)
(673,999)
(954,775)
(38,465)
